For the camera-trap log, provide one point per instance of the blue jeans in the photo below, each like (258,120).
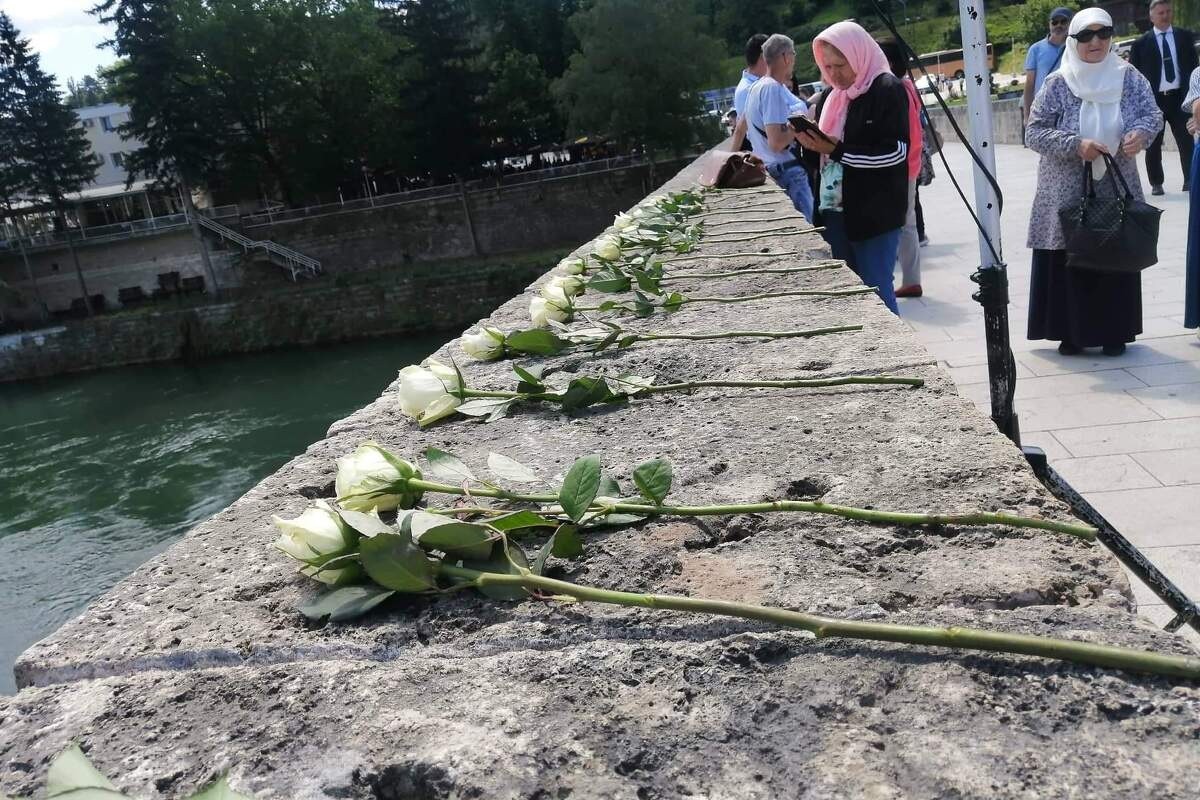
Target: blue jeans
(873,259)
(794,181)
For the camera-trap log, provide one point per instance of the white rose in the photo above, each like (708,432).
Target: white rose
(607,248)
(485,344)
(567,285)
(425,391)
(316,536)
(367,479)
(573,265)
(623,222)
(541,311)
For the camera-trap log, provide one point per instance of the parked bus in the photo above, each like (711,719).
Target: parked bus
(949,63)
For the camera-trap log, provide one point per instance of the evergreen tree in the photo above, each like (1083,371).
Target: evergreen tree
(173,112)
(638,73)
(440,88)
(48,142)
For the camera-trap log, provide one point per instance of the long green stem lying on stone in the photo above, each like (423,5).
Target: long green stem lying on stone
(771,233)
(1099,655)
(849,292)
(738,210)
(684,276)
(675,259)
(749,220)
(906,518)
(695,337)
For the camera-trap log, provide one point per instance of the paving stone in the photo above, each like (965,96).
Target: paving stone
(1172,467)
(1103,473)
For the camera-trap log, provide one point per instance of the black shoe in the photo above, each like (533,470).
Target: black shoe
(1156,190)
(1070,349)
(1114,349)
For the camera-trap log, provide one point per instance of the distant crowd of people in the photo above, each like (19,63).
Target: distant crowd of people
(853,156)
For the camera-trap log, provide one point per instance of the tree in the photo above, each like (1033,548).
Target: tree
(439,89)
(520,110)
(638,73)
(738,20)
(173,111)
(89,90)
(47,141)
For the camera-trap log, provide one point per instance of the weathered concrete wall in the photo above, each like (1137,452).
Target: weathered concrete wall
(1006,123)
(421,297)
(198,662)
(563,211)
(109,267)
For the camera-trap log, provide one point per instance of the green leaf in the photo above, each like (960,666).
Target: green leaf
(447,466)
(587,391)
(673,302)
(653,480)
(609,282)
(531,375)
(71,772)
(628,341)
(219,790)
(507,469)
(491,407)
(567,543)
(613,520)
(521,519)
(459,540)
(394,562)
(367,524)
(647,283)
(537,341)
(609,487)
(499,563)
(346,602)
(607,341)
(580,486)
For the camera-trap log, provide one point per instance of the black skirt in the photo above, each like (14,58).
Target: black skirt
(1084,307)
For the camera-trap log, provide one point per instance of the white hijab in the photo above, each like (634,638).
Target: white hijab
(1099,86)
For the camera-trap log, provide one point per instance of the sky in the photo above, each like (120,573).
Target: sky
(63,33)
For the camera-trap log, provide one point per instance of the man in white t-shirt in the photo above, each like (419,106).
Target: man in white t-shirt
(756,67)
(768,107)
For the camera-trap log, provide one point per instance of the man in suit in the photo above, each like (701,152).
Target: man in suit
(1166,56)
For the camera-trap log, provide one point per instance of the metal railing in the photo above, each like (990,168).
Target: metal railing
(448,190)
(285,256)
(116,231)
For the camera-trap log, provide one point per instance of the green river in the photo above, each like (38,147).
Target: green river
(99,472)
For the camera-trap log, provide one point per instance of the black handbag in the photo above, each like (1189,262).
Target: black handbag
(1110,234)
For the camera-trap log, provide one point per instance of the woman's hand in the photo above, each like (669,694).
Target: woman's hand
(817,144)
(1133,143)
(1193,124)
(1090,149)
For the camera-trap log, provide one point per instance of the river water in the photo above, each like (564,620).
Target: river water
(99,472)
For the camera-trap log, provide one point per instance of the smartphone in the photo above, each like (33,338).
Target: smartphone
(805,125)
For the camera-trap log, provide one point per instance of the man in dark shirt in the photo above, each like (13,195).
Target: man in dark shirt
(1166,56)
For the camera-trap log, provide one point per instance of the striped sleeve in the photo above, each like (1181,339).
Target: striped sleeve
(877,161)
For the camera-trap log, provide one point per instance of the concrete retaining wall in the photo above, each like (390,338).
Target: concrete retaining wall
(198,662)
(1006,123)
(421,297)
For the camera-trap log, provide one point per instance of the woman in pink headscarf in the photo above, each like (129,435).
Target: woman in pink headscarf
(863,180)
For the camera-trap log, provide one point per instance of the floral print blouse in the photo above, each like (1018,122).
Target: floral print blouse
(1053,132)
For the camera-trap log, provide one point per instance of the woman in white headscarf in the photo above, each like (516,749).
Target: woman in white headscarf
(1094,104)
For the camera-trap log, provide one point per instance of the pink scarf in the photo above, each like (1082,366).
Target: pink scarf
(865,58)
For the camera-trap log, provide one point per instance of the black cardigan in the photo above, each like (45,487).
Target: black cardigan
(874,156)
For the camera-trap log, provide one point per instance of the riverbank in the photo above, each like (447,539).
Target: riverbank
(416,298)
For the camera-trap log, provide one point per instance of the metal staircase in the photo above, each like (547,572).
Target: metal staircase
(297,263)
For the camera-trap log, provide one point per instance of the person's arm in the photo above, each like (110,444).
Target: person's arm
(1139,112)
(1027,97)
(780,137)
(1042,134)
(739,133)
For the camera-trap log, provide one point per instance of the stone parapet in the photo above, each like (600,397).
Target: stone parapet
(198,662)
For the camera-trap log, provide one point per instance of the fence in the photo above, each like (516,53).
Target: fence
(116,231)
(451,190)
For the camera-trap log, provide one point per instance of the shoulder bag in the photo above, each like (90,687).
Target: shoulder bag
(1110,234)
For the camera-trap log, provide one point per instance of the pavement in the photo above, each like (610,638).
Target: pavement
(1125,431)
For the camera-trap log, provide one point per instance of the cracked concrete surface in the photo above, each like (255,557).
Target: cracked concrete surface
(198,662)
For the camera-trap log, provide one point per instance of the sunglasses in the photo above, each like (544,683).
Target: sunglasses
(1059,22)
(1087,34)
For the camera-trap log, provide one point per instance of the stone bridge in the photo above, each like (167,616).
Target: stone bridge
(198,663)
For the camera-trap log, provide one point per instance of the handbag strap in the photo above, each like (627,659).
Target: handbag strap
(1116,177)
